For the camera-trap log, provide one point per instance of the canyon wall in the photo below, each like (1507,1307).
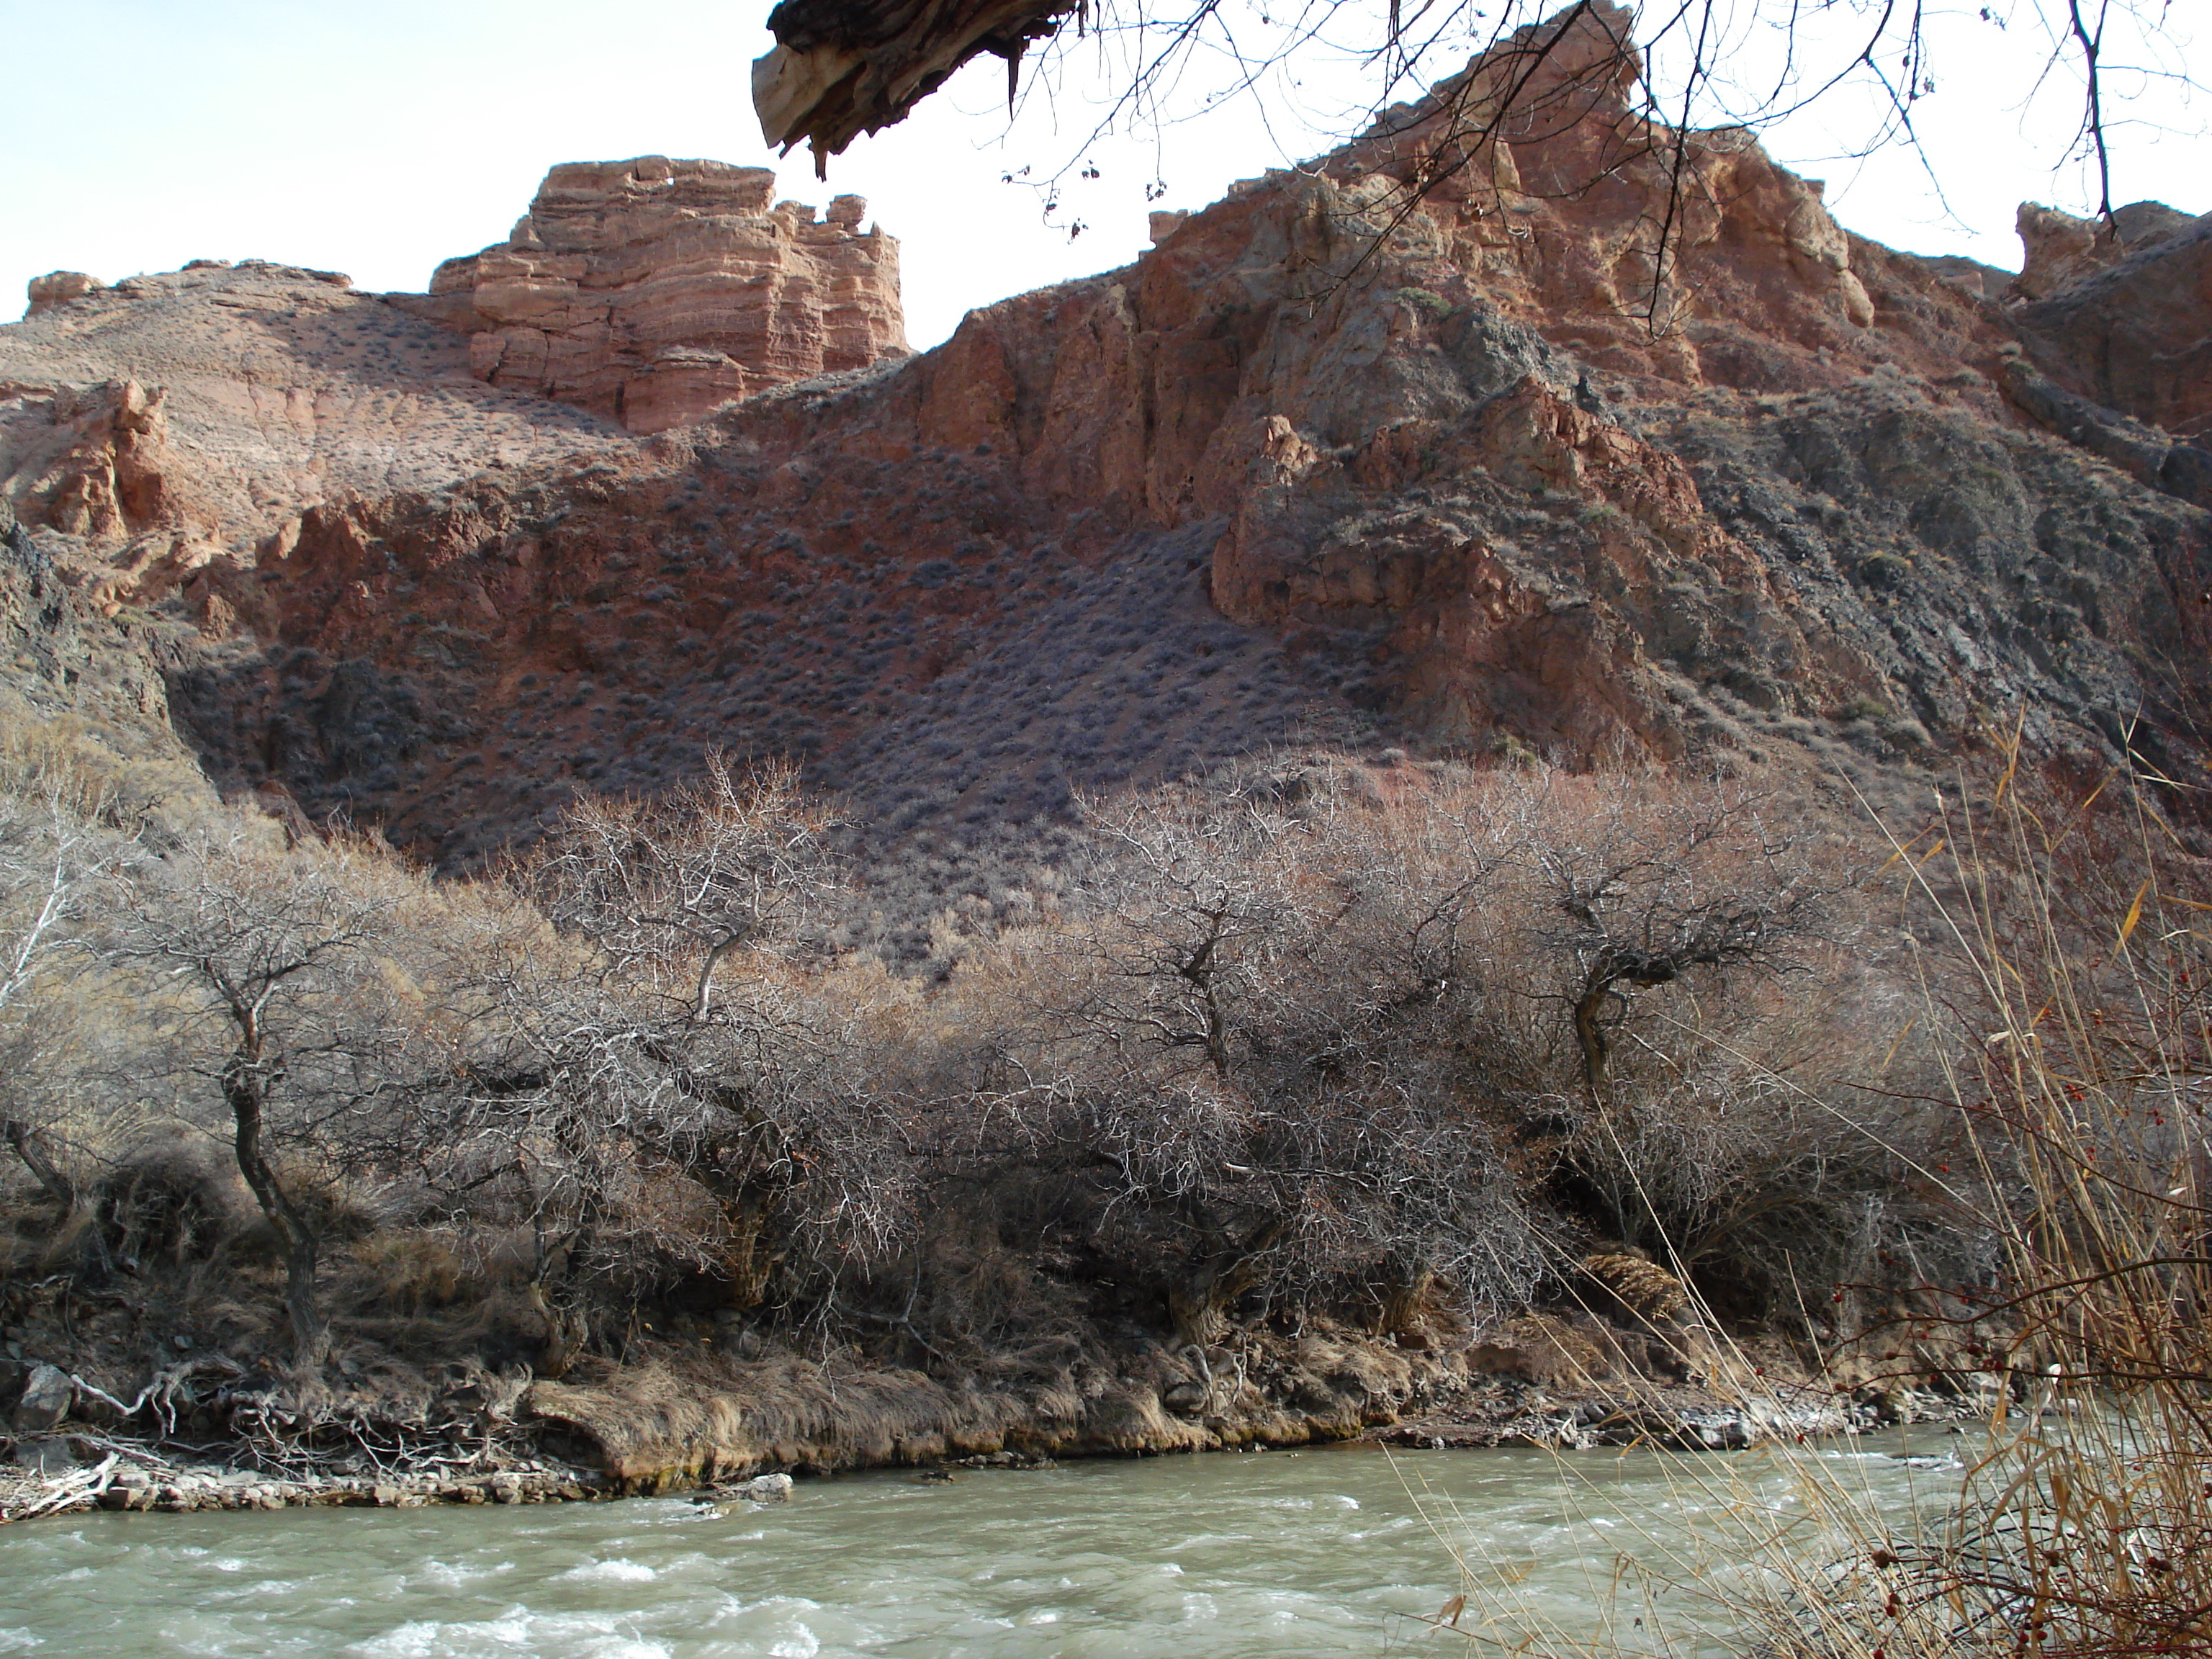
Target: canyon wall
(1431,444)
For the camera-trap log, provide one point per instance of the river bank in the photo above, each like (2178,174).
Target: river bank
(207,1433)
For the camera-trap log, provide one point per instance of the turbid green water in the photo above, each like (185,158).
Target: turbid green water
(1286,1554)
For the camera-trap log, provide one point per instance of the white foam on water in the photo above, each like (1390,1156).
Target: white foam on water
(452,1575)
(783,1627)
(514,1633)
(426,1638)
(20,1641)
(620,1570)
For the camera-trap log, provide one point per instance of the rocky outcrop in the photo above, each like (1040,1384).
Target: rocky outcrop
(261,389)
(58,288)
(2057,249)
(2145,452)
(2126,325)
(1971,276)
(654,291)
(90,461)
(1431,443)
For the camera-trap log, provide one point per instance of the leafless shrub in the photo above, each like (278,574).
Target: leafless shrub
(735,860)
(1315,1026)
(69,826)
(168,1200)
(647,1124)
(1304,1037)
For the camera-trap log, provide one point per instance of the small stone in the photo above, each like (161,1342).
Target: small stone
(1185,1399)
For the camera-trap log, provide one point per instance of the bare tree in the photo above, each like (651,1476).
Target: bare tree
(56,856)
(1253,1049)
(280,966)
(648,1081)
(1653,883)
(675,885)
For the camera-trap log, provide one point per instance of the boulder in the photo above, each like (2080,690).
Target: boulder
(1186,1398)
(58,288)
(47,1395)
(47,1457)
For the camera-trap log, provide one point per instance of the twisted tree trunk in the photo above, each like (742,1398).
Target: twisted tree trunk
(1199,1304)
(244,1089)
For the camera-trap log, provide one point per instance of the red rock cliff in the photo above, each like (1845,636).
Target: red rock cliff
(1431,441)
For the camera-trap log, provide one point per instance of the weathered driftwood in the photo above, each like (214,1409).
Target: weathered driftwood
(32,1495)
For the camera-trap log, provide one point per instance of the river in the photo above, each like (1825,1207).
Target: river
(1319,1552)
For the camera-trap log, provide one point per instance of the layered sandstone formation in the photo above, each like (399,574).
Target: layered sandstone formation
(1433,444)
(654,291)
(223,400)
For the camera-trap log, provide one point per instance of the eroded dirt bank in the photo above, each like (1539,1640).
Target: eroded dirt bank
(207,1433)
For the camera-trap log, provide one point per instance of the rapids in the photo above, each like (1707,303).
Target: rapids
(1332,1551)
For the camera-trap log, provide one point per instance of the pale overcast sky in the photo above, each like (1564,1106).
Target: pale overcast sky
(378,140)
